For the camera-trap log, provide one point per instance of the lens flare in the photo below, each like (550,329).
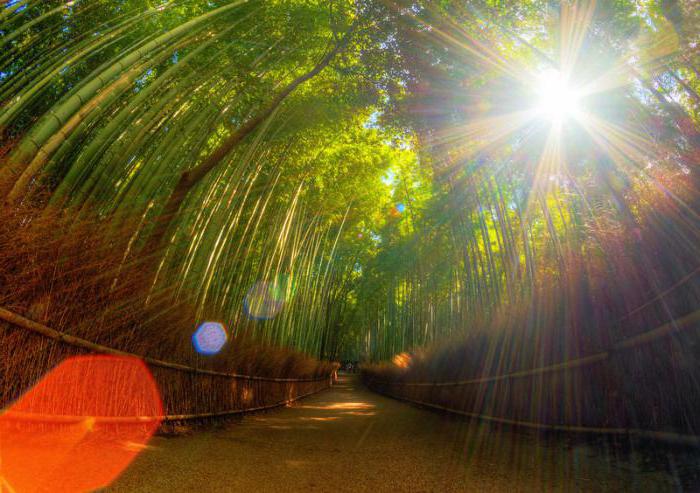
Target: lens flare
(402,360)
(80,426)
(209,338)
(397,210)
(265,300)
(260,302)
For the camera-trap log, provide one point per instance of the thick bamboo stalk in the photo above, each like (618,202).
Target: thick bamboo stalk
(50,123)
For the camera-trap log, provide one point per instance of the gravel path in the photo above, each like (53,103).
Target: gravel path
(348,439)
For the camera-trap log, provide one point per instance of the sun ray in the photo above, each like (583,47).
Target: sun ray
(549,164)
(576,17)
(631,153)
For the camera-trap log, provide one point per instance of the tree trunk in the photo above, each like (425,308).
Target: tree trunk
(190,178)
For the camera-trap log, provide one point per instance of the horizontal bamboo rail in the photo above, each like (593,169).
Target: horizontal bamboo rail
(663,294)
(135,420)
(629,343)
(25,323)
(663,436)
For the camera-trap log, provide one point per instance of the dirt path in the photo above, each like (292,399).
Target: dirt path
(348,439)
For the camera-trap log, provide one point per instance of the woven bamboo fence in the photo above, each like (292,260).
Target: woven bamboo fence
(634,388)
(31,349)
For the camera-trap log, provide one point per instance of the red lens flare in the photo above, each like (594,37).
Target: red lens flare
(80,426)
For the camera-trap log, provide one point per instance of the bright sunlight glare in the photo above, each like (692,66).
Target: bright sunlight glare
(558,100)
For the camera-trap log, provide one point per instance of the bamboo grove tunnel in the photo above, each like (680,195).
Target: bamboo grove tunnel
(349,245)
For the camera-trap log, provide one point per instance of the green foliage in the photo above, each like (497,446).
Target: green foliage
(394,186)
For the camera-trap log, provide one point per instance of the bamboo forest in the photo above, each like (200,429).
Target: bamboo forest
(349,245)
